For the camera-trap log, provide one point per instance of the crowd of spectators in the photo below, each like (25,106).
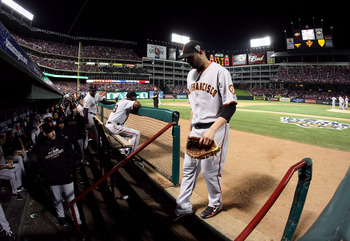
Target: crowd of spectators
(59,64)
(178,89)
(69,87)
(124,69)
(332,74)
(64,64)
(89,51)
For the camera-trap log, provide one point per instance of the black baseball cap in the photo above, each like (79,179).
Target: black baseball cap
(93,87)
(131,94)
(190,48)
(48,127)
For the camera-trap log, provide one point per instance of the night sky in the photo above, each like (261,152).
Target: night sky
(220,25)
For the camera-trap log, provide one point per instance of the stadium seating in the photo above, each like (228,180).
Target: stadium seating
(89,51)
(335,74)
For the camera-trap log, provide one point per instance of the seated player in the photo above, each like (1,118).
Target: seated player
(10,171)
(120,114)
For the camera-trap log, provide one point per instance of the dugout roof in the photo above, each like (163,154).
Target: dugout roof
(21,79)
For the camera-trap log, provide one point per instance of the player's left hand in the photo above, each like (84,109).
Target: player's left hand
(207,137)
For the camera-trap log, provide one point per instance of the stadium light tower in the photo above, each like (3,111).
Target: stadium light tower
(179,39)
(260,42)
(16,7)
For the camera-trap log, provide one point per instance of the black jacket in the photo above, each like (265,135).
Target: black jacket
(56,160)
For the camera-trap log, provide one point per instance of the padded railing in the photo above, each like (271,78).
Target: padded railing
(305,174)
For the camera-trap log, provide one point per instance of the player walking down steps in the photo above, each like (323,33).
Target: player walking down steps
(213,102)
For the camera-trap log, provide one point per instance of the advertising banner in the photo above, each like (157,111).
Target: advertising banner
(257,58)
(172,54)
(122,95)
(156,51)
(319,33)
(211,58)
(310,101)
(168,96)
(181,96)
(297,100)
(239,59)
(290,43)
(227,60)
(259,98)
(284,99)
(270,60)
(297,35)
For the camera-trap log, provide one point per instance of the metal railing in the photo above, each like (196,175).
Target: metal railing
(305,173)
(114,169)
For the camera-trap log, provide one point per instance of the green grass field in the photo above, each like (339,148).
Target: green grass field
(268,124)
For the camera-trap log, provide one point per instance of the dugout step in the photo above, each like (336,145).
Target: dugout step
(124,219)
(162,206)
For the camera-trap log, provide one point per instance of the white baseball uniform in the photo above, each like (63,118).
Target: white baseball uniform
(346,103)
(91,103)
(209,91)
(341,103)
(117,118)
(333,102)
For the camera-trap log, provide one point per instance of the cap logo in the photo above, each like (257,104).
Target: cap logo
(197,47)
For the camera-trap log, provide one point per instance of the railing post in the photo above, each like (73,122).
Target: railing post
(305,176)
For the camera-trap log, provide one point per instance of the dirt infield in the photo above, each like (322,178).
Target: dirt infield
(254,166)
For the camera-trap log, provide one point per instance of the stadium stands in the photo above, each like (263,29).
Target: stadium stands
(88,51)
(336,74)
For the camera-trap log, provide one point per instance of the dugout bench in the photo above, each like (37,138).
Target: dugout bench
(109,142)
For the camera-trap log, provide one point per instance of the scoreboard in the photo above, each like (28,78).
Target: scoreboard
(309,38)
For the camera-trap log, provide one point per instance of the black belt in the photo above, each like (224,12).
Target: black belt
(202,125)
(109,122)
(92,113)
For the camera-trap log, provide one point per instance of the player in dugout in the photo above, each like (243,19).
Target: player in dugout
(120,114)
(213,102)
(91,108)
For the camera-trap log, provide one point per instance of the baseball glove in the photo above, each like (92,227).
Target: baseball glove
(195,150)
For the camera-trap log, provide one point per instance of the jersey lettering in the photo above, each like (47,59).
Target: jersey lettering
(202,87)
(115,108)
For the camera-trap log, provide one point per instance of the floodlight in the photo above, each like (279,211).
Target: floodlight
(179,39)
(260,42)
(18,9)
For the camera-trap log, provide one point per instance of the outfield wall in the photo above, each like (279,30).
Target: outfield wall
(286,99)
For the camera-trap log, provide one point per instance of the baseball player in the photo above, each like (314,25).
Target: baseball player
(333,102)
(346,102)
(120,114)
(91,108)
(341,103)
(213,102)
(5,230)
(55,156)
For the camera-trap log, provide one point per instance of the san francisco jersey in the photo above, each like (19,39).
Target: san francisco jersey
(209,91)
(121,111)
(91,103)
